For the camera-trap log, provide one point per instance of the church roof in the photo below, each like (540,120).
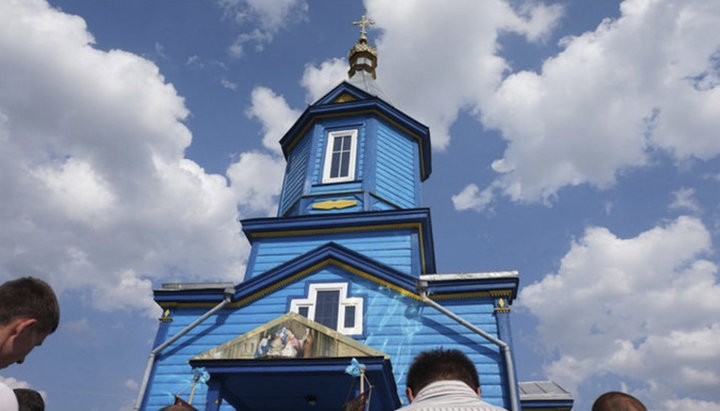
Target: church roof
(365,81)
(544,395)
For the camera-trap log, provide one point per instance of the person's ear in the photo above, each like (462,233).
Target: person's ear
(409,394)
(478,390)
(22,324)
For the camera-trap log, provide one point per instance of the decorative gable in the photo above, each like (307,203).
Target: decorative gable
(342,93)
(290,336)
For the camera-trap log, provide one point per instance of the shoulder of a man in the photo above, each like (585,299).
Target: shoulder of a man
(8,400)
(449,395)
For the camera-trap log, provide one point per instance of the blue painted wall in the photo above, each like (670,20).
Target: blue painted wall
(295,173)
(387,168)
(393,323)
(390,247)
(398,175)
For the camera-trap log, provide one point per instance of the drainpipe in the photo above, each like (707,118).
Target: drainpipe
(509,368)
(229,293)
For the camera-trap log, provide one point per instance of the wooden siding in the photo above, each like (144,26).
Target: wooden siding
(390,247)
(396,167)
(295,174)
(394,324)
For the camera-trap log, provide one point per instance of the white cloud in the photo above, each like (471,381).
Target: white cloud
(273,113)
(131,384)
(97,194)
(690,404)
(262,19)
(471,198)
(194,61)
(228,84)
(602,104)
(684,199)
(320,80)
(257,179)
(79,191)
(160,50)
(14,383)
(434,61)
(642,308)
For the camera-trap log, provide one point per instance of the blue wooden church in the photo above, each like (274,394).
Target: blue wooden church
(346,270)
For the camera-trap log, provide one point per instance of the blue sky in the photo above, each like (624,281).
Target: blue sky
(573,141)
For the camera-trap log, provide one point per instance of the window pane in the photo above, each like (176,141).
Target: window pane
(337,144)
(326,308)
(349,316)
(344,169)
(335,165)
(338,161)
(346,143)
(303,311)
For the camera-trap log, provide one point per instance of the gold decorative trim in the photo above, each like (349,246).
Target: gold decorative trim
(330,204)
(166,316)
(344,98)
(494,293)
(297,276)
(501,308)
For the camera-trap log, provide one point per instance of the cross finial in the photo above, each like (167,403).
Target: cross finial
(363,23)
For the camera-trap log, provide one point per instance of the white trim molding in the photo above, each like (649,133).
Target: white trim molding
(343,302)
(329,151)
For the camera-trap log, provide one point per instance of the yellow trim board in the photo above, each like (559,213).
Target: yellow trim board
(330,204)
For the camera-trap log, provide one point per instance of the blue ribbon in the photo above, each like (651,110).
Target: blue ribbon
(201,375)
(354,368)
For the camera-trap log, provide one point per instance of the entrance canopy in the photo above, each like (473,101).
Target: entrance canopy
(292,363)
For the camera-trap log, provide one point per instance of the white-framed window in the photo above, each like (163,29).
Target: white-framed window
(329,305)
(340,154)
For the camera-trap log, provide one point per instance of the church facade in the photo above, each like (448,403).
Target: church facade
(346,270)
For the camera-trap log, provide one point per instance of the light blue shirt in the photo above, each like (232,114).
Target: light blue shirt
(449,395)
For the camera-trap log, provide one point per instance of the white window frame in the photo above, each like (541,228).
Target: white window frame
(343,301)
(328,156)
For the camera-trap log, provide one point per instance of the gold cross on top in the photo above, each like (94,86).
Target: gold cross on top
(363,23)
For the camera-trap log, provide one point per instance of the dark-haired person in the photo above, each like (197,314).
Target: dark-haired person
(617,401)
(29,312)
(444,380)
(29,400)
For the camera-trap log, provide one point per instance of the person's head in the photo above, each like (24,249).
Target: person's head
(29,400)
(440,365)
(617,401)
(29,312)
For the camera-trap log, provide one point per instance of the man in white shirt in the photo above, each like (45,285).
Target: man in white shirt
(8,400)
(444,380)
